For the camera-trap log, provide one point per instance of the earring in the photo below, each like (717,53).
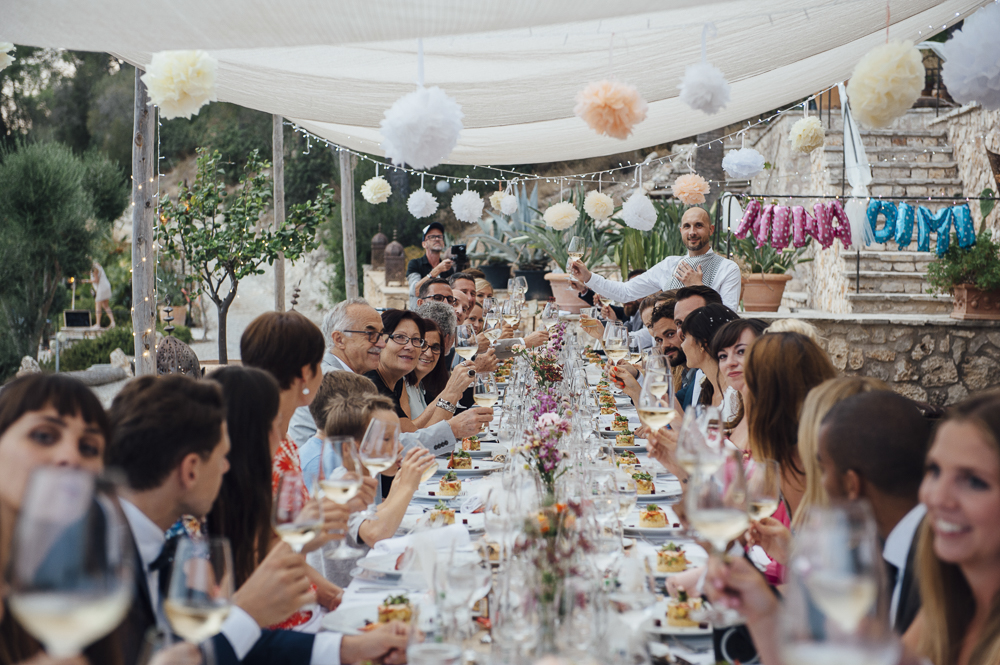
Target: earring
(305,391)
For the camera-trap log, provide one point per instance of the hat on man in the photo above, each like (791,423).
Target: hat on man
(433,225)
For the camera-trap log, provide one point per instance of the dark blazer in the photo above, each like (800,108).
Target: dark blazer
(909,591)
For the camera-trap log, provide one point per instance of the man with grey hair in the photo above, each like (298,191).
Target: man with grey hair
(444,316)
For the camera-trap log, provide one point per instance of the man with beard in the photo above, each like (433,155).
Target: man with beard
(430,264)
(700,266)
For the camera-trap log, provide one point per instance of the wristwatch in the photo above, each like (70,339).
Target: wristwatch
(446,405)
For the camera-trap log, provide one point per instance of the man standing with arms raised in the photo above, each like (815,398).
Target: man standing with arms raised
(700,266)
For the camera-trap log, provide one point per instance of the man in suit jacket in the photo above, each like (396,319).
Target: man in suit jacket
(169,438)
(872,446)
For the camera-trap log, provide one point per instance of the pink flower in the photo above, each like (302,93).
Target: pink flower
(549,419)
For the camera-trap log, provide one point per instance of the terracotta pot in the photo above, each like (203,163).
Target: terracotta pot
(179,314)
(762,292)
(973,303)
(566,294)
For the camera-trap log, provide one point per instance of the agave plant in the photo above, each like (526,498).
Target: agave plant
(641,250)
(553,243)
(497,243)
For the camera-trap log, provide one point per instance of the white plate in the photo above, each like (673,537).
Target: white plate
(382,568)
(662,489)
(637,448)
(480,467)
(474,522)
(487,448)
(349,620)
(425,492)
(660,612)
(696,556)
(631,524)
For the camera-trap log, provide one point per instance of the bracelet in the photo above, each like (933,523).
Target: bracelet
(446,405)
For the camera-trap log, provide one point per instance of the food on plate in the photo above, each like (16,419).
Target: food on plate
(608,410)
(470,443)
(626,457)
(441,515)
(652,517)
(643,482)
(395,608)
(620,423)
(679,610)
(450,485)
(606,399)
(460,460)
(625,437)
(671,559)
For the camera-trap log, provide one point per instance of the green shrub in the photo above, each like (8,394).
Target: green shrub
(979,265)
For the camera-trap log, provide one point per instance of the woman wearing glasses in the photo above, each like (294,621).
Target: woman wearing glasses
(429,382)
(404,331)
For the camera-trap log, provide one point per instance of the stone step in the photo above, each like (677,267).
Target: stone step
(915,118)
(888,261)
(883,281)
(886,303)
(896,169)
(898,153)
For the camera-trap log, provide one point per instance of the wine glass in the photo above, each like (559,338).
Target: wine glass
(200,594)
(297,516)
(699,443)
(510,310)
(377,452)
(340,481)
(493,325)
(485,392)
(634,352)
(521,284)
(763,488)
(575,249)
(631,597)
(465,341)
(550,315)
(656,406)
(489,304)
(615,341)
(836,600)
(628,494)
(71,569)
(716,503)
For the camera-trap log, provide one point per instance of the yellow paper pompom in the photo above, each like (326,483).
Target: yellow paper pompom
(496,198)
(611,108)
(690,189)
(599,206)
(885,83)
(376,190)
(807,134)
(561,216)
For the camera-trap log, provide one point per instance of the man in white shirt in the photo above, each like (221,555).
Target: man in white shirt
(872,446)
(169,438)
(700,266)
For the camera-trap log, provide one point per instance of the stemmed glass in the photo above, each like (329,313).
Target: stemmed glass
(341,482)
(492,324)
(550,315)
(628,494)
(510,310)
(763,488)
(699,444)
(656,406)
(632,597)
(634,352)
(378,451)
(615,341)
(836,600)
(716,503)
(70,573)
(201,588)
(297,516)
(489,305)
(575,249)
(465,341)
(485,392)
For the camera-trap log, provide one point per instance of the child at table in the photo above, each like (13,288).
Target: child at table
(349,416)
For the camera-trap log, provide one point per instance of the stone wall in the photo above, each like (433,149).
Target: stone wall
(970,130)
(381,296)
(937,360)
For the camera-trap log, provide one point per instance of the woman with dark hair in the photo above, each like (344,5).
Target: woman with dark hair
(697,330)
(52,419)
(729,347)
(429,381)
(405,341)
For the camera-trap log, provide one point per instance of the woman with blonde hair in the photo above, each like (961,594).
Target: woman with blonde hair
(796,326)
(958,554)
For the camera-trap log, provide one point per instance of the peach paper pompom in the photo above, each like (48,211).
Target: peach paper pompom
(691,189)
(611,108)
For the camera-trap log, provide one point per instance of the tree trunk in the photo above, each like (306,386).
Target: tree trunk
(278,173)
(347,223)
(143,214)
(223,307)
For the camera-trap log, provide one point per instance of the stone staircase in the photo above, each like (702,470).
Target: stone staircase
(908,159)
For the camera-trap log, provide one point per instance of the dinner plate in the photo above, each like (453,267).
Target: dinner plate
(350,620)
(480,467)
(695,554)
(381,568)
(487,448)
(631,525)
(662,489)
(660,613)
(474,522)
(429,491)
(637,448)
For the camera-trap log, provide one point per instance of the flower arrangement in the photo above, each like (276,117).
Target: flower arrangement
(557,337)
(547,370)
(553,538)
(542,453)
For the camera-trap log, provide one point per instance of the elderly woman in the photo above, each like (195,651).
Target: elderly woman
(404,345)
(429,382)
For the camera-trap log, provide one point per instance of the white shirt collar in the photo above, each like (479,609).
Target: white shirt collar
(897,545)
(149,538)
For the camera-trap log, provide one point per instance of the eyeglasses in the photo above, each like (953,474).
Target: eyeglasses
(433,237)
(373,335)
(440,298)
(403,340)
(436,349)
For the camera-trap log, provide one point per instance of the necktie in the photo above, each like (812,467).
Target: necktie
(164,563)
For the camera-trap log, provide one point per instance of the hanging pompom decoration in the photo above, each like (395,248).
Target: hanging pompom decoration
(885,83)
(496,198)
(180,82)
(509,204)
(690,189)
(467,206)
(599,206)
(421,128)
(638,212)
(972,60)
(704,88)
(807,134)
(743,164)
(422,203)
(6,59)
(376,190)
(611,108)
(560,216)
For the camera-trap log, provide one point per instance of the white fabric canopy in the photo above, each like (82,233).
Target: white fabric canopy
(515,66)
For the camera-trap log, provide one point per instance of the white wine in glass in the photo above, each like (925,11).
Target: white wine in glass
(465,341)
(655,416)
(340,480)
(511,311)
(716,504)
(485,392)
(550,315)
(575,249)
(297,516)
(201,588)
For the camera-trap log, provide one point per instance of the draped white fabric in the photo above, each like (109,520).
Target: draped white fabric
(515,66)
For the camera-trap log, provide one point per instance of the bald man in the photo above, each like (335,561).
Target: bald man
(700,266)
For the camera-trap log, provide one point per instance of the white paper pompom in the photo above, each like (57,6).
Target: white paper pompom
(638,212)
(181,82)
(6,59)
(376,190)
(509,204)
(467,206)
(495,199)
(704,88)
(599,206)
(421,128)
(422,204)
(743,164)
(807,134)
(972,59)
(885,83)
(560,216)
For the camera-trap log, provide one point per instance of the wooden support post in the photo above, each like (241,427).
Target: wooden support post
(143,215)
(278,172)
(347,222)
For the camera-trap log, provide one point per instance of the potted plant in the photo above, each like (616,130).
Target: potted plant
(765,272)
(972,276)
(633,249)
(172,290)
